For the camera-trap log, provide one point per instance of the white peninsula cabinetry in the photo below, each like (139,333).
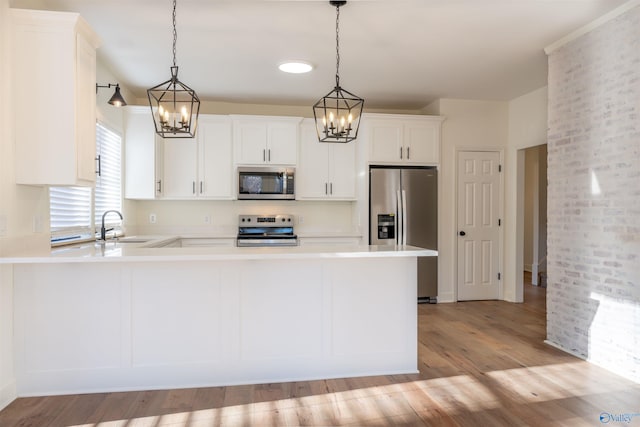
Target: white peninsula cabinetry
(143,155)
(54,92)
(198,317)
(402,139)
(326,171)
(200,167)
(265,140)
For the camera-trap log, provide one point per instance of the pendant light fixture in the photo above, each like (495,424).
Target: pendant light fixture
(174,105)
(337,114)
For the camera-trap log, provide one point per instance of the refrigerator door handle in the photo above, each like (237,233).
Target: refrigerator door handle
(399,223)
(404,217)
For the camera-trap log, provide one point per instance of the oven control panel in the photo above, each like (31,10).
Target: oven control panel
(266,220)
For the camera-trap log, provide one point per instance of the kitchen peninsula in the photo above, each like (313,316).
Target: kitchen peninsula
(119,316)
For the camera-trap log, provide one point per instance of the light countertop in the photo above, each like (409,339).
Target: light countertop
(140,249)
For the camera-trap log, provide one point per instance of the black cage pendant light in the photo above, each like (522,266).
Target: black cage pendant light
(174,105)
(337,114)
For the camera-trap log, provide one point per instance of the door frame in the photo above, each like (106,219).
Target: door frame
(501,210)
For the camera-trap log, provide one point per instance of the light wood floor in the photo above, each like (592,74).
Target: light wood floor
(481,364)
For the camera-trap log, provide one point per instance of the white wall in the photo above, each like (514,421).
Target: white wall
(593,294)
(468,125)
(527,128)
(7,379)
(178,217)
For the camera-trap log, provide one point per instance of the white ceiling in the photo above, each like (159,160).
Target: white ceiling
(399,54)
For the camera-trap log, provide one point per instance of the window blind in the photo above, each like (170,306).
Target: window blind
(108,192)
(73,208)
(70,211)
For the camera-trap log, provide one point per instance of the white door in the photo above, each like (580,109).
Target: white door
(479,192)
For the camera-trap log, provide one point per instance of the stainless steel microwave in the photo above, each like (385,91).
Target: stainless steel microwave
(272,183)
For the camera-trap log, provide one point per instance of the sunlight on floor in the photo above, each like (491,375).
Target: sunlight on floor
(374,405)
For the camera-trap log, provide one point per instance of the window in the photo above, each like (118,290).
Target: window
(108,191)
(76,212)
(70,210)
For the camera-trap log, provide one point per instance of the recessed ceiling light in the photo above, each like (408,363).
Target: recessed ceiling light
(295,67)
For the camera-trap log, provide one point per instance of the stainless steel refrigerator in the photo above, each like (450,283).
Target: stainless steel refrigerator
(403,210)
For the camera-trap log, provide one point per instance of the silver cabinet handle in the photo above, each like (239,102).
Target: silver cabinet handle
(331,188)
(400,153)
(269,151)
(193,187)
(326,190)
(408,153)
(264,155)
(159,188)
(200,187)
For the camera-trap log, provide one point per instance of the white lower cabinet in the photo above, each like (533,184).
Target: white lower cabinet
(135,325)
(200,167)
(325,171)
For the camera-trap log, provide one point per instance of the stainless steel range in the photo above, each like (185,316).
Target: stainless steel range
(266,230)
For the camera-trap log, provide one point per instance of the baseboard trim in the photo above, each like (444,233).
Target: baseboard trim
(8,394)
(559,347)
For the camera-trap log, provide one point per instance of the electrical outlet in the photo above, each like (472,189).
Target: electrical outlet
(37,224)
(207,219)
(152,218)
(300,219)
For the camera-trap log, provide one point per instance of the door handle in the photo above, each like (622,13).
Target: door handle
(462,233)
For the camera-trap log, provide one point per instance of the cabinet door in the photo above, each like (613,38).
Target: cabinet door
(142,159)
(385,141)
(180,168)
(282,143)
(53,68)
(342,170)
(85,109)
(312,180)
(215,158)
(422,143)
(251,143)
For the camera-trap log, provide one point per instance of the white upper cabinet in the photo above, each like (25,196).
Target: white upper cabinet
(200,167)
(265,140)
(215,157)
(400,139)
(143,155)
(53,61)
(326,171)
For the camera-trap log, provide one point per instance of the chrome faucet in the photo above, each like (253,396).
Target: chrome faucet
(103,232)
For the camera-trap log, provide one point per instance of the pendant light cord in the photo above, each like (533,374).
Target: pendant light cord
(175,33)
(337,45)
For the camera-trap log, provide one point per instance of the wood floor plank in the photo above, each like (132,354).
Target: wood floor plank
(481,363)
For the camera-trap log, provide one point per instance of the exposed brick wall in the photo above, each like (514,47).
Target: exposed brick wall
(593,294)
